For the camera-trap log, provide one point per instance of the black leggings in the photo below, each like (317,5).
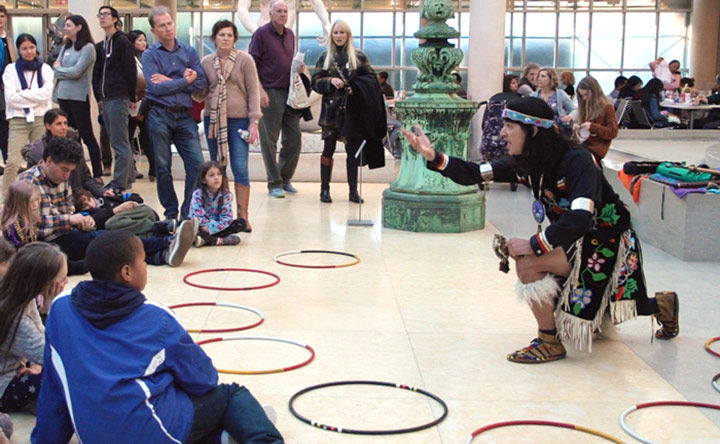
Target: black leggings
(79,118)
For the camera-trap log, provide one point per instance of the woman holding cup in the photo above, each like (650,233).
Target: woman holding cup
(598,125)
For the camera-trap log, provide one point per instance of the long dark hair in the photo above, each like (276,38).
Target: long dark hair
(653,87)
(133,35)
(541,152)
(25,37)
(628,90)
(30,273)
(507,80)
(83,36)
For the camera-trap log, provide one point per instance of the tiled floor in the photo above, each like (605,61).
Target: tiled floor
(431,310)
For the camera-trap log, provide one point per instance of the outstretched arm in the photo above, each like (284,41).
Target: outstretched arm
(321,12)
(243,13)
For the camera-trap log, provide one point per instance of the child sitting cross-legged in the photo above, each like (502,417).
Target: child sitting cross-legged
(123,211)
(211,204)
(121,369)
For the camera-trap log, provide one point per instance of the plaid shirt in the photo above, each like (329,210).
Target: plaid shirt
(56,204)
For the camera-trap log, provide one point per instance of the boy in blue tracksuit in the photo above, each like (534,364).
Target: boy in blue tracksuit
(121,369)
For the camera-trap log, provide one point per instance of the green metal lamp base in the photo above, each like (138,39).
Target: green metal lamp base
(434,213)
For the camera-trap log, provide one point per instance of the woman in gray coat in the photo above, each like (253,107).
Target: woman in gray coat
(73,71)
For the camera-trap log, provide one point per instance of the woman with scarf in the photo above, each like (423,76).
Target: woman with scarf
(232,109)
(587,260)
(335,67)
(28,88)
(73,71)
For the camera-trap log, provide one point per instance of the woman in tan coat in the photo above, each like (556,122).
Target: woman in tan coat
(598,125)
(232,109)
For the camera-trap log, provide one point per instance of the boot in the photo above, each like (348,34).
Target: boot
(164,227)
(326,165)
(242,200)
(352,175)
(668,304)
(544,348)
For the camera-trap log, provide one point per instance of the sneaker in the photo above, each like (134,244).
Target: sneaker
(199,241)
(289,188)
(277,193)
(668,304)
(230,239)
(195,224)
(544,348)
(180,244)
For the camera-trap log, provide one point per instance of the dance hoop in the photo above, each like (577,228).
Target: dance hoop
(214,270)
(288,253)
(368,432)
(541,423)
(221,304)
(710,350)
(262,338)
(656,404)
(715,382)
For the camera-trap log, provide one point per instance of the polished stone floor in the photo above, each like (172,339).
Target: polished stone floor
(432,311)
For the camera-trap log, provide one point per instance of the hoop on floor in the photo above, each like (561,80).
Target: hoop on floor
(215,270)
(564,425)
(368,432)
(656,404)
(221,304)
(710,350)
(262,338)
(341,253)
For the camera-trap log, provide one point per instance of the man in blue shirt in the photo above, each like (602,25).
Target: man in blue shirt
(173,72)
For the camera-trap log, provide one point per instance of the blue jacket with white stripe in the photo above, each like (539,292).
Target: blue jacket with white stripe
(126,381)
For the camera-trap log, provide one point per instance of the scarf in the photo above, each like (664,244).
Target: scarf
(218,115)
(35,65)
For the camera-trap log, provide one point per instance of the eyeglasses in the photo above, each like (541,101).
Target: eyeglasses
(103,14)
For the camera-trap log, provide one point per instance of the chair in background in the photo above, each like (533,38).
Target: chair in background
(620,110)
(640,116)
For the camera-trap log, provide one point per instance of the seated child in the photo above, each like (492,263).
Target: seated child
(21,214)
(37,272)
(211,204)
(121,369)
(123,211)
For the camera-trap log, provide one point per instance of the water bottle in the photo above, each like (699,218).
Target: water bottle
(244,134)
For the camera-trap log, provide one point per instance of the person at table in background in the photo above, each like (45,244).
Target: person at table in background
(620,82)
(528,81)
(631,89)
(385,87)
(651,96)
(674,67)
(712,121)
(567,83)
(598,125)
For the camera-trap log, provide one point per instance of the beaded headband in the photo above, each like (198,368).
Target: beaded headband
(526,119)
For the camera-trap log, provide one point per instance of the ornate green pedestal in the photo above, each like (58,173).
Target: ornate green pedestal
(421,199)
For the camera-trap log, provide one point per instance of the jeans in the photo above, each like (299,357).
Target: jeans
(238,149)
(74,244)
(232,408)
(279,116)
(115,120)
(21,132)
(179,128)
(79,118)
